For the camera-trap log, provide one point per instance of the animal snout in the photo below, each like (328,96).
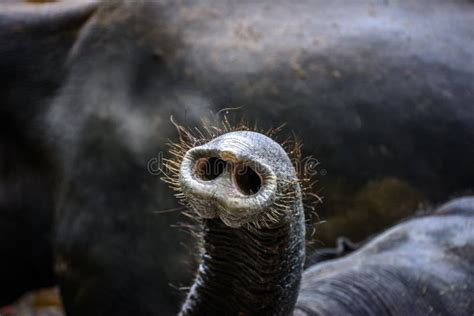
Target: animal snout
(221,170)
(237,185)
(243,178)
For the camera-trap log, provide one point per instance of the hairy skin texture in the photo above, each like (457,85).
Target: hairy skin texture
(252,264)
(253,242)
(381,91)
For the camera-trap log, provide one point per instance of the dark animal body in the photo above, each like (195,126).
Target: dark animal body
(253,247)
(423,266)
(87,91)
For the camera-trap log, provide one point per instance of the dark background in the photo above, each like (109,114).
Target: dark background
(380,92)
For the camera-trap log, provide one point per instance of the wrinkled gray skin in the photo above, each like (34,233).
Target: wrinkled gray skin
(375,89)
(419,267)
(423,266)
(245,269)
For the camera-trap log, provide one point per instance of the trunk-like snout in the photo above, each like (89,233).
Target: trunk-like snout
(243,188)
(228,183)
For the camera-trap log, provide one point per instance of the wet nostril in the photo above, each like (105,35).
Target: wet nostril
(246,180)
(208,169)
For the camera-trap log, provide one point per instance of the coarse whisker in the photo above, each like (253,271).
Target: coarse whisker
(228,109)
(170,210)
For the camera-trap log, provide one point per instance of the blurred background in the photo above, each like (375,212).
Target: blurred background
(381,93)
